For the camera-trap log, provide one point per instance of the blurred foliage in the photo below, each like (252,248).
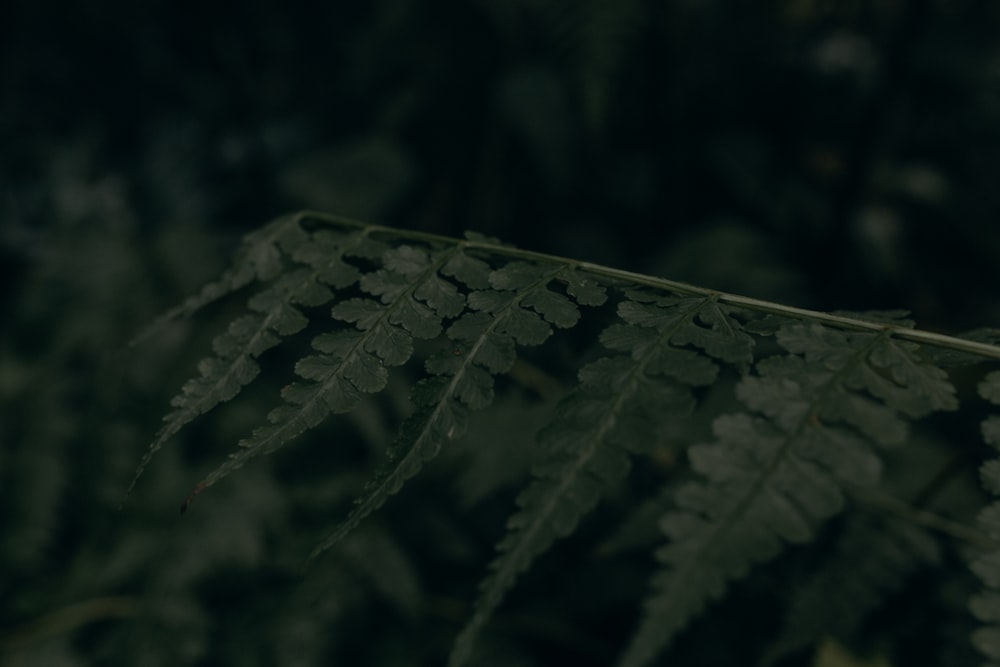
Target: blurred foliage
(831,154)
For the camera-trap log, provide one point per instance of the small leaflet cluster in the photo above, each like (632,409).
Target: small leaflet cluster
(986,604)
(274,314)
(815,415)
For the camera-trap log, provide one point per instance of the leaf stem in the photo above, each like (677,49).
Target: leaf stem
(750,303)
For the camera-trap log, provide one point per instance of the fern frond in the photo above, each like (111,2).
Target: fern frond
(771,480)
(275,313)
(985,605)
(813,420)
(518,311)
(413,301)
(616,409)
(259,258)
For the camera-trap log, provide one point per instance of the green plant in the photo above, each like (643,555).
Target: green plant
(824,403)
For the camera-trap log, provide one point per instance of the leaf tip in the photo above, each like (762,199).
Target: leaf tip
(198,488)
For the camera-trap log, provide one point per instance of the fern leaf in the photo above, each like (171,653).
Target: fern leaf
(483,344)
(274,314)
(258,258)
(985,605)
(770,481)
(615,410)
(354,361)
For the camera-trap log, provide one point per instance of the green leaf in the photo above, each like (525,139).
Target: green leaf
(407,261)
(441,296)
(619,407)
(989,388)
(518,275)
(496,353)
(353,363)
(363,312)
(926,386)
(222,377)
(760,492)
(768,482)
(555,308)
(472,272)
(325,252)
(713,329)
(587,291)
(482,345)
(578,470)
(818,344)
(781,390)
(388,285)
(258,258)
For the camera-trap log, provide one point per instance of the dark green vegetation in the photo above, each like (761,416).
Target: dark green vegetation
(826,155)
(812,414)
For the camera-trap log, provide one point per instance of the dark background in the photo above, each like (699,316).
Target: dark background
(823,154)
